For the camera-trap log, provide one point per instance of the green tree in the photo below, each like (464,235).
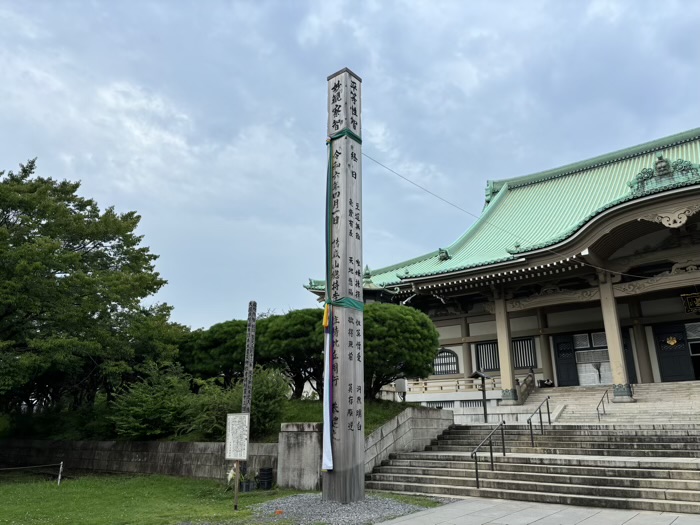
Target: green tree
(293,343)
(400,341)
(216,352)
(72,279)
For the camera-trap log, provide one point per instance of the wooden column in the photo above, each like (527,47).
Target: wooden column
(640,344)
(466,349)
(545,349)
(622,392)
(509,391)
(344,438)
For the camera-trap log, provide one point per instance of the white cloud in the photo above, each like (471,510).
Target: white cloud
(606,10)
(22,26)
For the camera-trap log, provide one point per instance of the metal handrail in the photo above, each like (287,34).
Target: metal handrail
(602,398)
(549,419)
(502,426)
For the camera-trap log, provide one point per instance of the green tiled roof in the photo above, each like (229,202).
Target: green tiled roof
(527,213)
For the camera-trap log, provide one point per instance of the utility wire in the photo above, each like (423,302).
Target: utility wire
(514,236)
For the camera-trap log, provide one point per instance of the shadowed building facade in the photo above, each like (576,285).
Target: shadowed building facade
(586,274)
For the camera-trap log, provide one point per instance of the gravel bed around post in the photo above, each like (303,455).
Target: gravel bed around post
(310,509)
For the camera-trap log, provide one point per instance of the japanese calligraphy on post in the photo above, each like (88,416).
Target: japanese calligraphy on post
(343,454)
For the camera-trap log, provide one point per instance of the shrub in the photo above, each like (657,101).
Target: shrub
(206,411)
(270,391)
(153,406)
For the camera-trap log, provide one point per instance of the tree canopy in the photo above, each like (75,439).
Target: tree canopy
(400,341)
(72,278)
(216,352)
(293,343)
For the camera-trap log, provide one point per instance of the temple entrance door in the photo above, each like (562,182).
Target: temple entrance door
(629,360)
(673,353)
(567,373)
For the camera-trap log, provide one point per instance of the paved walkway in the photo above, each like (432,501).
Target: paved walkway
(490,511)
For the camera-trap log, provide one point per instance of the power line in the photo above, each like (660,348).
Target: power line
(419,186)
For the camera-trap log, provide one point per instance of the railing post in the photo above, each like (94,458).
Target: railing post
(541,424)
(532,436)
(476,469)
(549,418)
(503,438)
(491,451)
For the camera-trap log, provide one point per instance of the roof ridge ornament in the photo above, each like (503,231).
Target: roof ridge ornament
(443,254)
(664,175)
(490,190)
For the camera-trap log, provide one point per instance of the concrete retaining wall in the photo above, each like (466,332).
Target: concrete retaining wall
(195,460)
(298,451)
(412,429)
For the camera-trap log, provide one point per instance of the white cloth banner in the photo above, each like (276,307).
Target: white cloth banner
(327,461)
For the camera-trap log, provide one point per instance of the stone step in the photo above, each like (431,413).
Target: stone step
(552,437)
(566,460)
(548,477)
(605,491)
(542,497)
(630,452)
(566,434)
(589,426)
(567,470)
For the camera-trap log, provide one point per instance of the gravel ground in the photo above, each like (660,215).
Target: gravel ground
(310,509)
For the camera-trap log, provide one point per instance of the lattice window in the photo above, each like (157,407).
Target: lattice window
(440,404)
(693,330)
(524,353)
(592,356)
(565,350)
(471,403)
(446,363)
(581,341)
(487,356)
(599,339)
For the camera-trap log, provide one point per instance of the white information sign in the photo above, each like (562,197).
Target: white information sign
(237,434)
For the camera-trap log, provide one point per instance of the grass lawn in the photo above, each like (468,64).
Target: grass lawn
(122,500)
(141,500)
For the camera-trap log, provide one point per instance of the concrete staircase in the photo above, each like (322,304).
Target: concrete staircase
(656,402)
(643,455)
(641,467)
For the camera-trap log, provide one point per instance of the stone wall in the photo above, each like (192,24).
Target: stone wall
(195,460)
(412,429)
(299,451)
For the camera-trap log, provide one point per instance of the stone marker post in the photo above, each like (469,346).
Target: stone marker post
(343,430)
(249,359)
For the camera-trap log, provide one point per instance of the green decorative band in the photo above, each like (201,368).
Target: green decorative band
(509,394)
(346,133)
(623,390)
(346,302)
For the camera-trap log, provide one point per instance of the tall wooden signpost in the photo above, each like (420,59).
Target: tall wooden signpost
(249,359)
(343,439)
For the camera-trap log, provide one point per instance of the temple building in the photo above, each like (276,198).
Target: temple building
(587,274)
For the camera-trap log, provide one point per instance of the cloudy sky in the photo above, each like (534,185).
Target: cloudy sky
(208,117)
